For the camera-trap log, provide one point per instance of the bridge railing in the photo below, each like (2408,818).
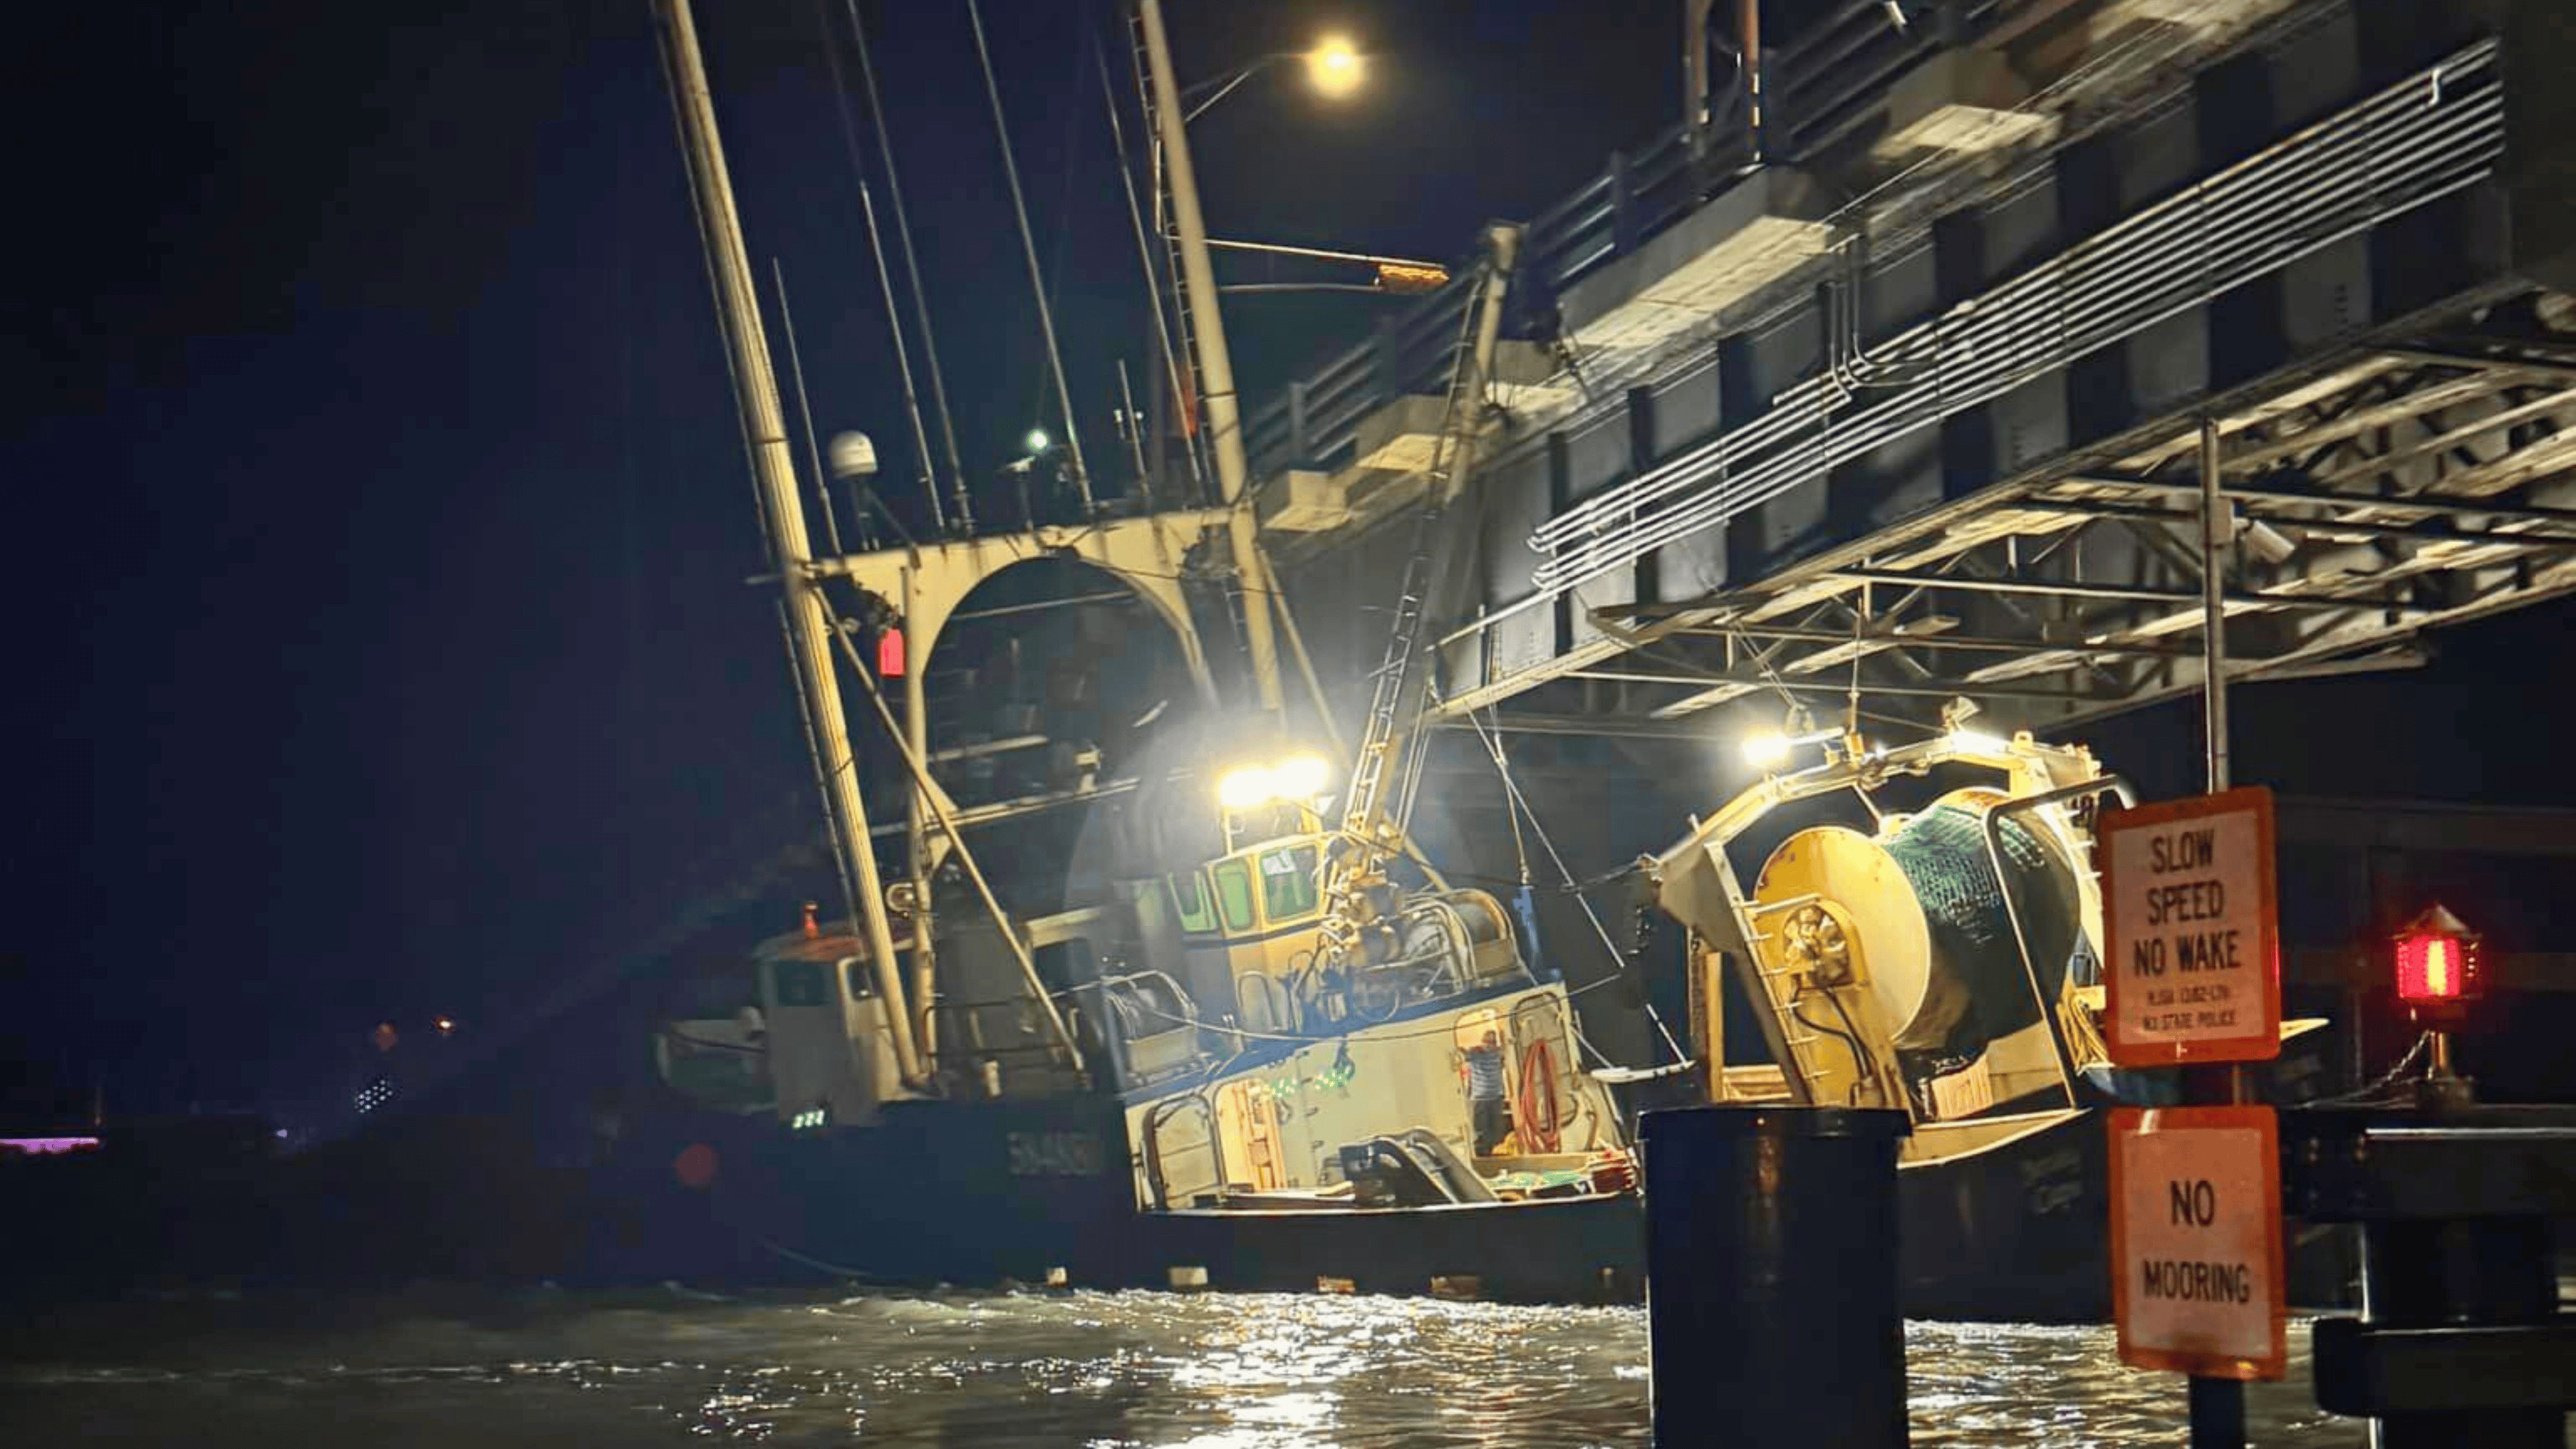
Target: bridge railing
(1316,422)
(1819,90)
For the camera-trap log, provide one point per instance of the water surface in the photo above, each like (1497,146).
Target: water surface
(1103,1371)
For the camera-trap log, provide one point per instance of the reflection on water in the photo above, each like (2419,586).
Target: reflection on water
(1093,1370)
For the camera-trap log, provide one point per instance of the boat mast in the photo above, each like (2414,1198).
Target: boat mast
(764,424)
(1216,364)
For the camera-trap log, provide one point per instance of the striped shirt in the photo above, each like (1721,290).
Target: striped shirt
(1484,1074)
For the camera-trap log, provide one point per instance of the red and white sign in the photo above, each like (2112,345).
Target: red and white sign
(2196,1240)
(2192,961)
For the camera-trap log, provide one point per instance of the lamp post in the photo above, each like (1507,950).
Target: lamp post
(1341,65)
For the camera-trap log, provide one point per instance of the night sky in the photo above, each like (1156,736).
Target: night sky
(378,603)
(380,632)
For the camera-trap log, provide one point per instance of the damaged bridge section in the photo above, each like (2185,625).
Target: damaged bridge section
(1914,396)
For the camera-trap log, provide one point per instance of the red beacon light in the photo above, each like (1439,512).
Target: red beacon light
(2437,961)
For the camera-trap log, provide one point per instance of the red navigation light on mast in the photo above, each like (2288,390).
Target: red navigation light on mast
(2437,961)
(890,651)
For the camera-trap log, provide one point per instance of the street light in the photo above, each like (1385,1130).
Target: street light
(1333,66)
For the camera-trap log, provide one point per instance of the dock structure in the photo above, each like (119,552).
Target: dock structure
(1920,388)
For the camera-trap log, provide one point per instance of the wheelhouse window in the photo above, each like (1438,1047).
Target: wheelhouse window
(1288,883)
(1234,893)
(802,983)
(1190,898)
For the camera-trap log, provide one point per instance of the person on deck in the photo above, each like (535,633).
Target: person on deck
(1492,1111)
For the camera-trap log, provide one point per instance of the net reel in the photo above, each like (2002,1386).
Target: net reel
(1903,943)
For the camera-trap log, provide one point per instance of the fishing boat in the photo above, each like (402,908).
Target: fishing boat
(1300,1059)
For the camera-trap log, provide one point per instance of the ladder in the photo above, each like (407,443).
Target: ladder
(1400,680)
(1185,337)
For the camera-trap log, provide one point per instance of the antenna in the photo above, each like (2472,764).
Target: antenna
(912,268)
(813,450)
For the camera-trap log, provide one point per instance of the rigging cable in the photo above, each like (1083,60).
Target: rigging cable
(885,281)
(1524,898)
(813,450)
(1061,125)
(912,267)
(1539,828)
(1145,256)
(1029,248)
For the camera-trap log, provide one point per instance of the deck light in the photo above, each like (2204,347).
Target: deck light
(1245,788)
(1302,777)
(1975,742)
(1768,750)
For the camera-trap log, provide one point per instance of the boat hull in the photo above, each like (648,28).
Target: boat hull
(1042,1192)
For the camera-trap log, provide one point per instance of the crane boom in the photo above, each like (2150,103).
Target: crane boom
(1401,684)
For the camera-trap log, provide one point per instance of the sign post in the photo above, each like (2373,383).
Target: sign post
(2193,973)
(2196,1240)
(2193,977)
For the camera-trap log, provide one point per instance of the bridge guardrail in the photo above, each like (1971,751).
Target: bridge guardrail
(1819,90)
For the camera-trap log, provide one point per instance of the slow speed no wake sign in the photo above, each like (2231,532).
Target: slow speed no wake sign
(2192,966)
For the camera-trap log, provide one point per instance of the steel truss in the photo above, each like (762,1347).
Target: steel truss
(2419,481)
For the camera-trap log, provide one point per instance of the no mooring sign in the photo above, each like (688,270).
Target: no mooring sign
(2196,1240)
(2192,965)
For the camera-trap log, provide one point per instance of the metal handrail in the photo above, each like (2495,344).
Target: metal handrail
(1411,350)
(1824,84)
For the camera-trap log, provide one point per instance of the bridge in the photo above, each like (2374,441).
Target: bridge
(1920,387)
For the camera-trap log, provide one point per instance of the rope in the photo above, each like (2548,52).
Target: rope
(818,1265)
(1539,828)
(1511,802)
(2385,1081)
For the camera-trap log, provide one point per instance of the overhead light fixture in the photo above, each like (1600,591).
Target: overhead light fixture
(1767,750)
(1302,778)
(1298,779)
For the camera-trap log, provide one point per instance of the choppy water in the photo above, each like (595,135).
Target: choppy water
(1083,1369)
